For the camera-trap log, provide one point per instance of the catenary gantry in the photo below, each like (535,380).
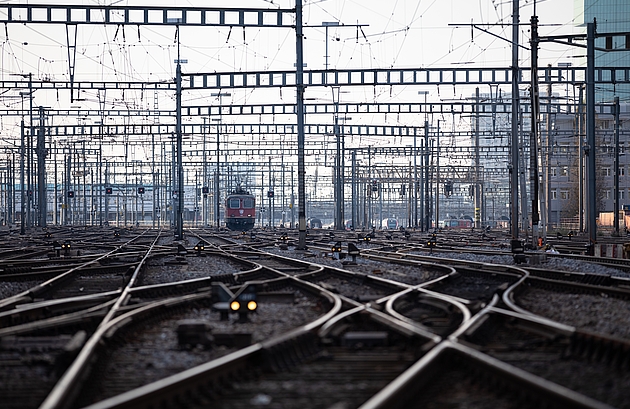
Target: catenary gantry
(438,77)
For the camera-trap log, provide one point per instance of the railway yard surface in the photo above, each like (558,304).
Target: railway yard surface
(105,318)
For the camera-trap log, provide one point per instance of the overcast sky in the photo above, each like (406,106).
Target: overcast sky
(393,34)
(398,33)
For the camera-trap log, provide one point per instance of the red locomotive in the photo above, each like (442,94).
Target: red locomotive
(457,224)
(240,210)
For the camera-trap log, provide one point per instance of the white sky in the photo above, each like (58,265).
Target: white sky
(398,34)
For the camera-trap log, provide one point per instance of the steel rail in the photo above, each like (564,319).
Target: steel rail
(28,295)
(402,390)
(63,392)
(190,380)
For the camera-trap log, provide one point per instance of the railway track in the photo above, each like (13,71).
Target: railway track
(595,365)
(323,321)
(152,347)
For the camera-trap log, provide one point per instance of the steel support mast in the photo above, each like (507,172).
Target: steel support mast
(514,139)
(300,126)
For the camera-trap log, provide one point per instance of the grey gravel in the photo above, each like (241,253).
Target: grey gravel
(556,263)
(157,272)
(9,289)
(396,272)
(595,313)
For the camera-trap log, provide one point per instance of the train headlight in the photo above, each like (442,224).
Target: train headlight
(235,305)
(252,305)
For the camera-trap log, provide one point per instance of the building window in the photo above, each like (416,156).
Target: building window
(622,171)
(564,194)
(554,194)
(622,195)
(554,172)
(606,171)
(609,42)
(607,194)
(564,170)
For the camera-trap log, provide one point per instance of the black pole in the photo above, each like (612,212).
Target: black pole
(533,136)
(300,124)
(616,165)
(41,171)
(590,135)
(179,217)
(22,195)
(514,137)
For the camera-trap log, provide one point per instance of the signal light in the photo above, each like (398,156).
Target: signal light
(336,248)
(432,242)
(244,302)
(70,193)
(236,306)
(199,247)
(65,246)
(141,190)
(270,193)
(109,190)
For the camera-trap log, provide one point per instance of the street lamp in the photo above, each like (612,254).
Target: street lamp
(339,164)
(415,163)
(437,177)
(179,214)
(216,176)
(22,152)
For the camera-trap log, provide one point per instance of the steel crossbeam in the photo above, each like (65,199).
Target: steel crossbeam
(355,77)
(393,76)
(142,15)
(97,130)
(316,148)
(466,107)
(463,107)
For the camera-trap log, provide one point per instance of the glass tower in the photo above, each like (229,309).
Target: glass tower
(612,16)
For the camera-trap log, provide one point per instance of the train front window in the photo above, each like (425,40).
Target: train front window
(234,203)
(248,203)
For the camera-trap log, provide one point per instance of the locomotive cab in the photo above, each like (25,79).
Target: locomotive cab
(240,210)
